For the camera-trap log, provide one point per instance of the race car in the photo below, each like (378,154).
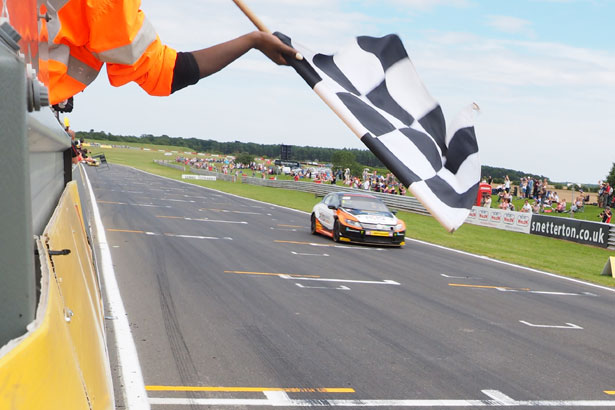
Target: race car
(357,217)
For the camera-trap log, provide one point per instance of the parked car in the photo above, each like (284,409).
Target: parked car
(357,217)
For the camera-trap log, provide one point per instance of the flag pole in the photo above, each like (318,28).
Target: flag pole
(253,18)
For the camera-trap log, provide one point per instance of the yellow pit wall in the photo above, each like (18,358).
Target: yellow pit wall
(62,361)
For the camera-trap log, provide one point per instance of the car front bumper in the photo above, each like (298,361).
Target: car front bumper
(379,237)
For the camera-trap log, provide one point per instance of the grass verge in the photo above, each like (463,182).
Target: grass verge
(552,255)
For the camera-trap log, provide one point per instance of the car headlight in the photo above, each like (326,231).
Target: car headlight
(355,224)
(401,226)
(349,221)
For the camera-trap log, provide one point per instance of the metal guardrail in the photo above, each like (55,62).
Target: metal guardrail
(612,237)
(218,175)
(170,164)
(402,203)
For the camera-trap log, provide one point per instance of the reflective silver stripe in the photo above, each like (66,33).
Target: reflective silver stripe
(130,53)
(53,26)
(81,71)
(59,52)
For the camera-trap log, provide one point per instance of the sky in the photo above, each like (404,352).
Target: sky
(542,72)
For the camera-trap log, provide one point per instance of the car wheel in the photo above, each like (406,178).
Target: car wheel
(336,231)
(313,224)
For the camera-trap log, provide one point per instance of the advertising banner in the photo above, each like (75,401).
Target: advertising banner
(591,233)
(497,218)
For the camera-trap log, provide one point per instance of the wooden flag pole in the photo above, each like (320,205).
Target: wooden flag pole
(253,18)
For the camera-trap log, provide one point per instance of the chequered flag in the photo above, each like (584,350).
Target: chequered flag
(374,88)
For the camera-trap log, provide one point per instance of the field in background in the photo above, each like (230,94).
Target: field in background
(552,255)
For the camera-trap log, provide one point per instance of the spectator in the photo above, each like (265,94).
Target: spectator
(606,215)
(526,206)
(506,184)
(487,201)
(536,207)
(504,204)
(561,206)
(578,204)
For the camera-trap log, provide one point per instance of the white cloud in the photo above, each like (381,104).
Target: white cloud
(511,25)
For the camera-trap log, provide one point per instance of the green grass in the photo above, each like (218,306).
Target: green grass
(552,255)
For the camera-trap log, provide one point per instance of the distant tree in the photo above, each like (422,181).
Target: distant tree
(343,159)
(244,158)
(611,177)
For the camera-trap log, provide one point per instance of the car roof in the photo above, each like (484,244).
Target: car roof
(355,194)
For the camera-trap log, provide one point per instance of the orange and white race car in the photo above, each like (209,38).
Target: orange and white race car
(357,217)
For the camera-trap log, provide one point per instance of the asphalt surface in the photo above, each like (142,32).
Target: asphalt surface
(237,299)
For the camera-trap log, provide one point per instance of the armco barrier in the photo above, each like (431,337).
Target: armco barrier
(219,176)
(402,203)
(61,362)
(170,164)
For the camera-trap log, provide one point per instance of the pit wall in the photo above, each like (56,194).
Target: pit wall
(62,361)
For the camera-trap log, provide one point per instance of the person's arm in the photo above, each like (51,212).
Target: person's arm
(191,67)
(212,59)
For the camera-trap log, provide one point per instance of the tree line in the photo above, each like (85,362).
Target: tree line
(355,159)
(298,153)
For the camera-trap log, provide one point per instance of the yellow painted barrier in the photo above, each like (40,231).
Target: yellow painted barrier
(62,361)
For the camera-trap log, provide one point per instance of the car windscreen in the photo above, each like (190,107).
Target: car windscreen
(363,203)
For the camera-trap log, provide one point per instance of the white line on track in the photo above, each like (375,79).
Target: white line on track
(369,282)
(133,387)
(340,287)
(210,220)
(309,254)
(568,326)
(277,400)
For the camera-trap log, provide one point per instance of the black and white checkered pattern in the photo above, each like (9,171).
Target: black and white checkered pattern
(374,88)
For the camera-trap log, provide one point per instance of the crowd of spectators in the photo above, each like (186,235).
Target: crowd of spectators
(538,195)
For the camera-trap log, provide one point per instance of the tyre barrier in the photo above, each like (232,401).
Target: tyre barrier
(61,362)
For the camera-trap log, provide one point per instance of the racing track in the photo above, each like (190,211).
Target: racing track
(233,304)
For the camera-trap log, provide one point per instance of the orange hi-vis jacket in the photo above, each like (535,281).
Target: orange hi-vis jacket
(84,34)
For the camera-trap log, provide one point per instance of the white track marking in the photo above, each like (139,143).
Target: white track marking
(341,287)
(454,277)
(277,398)
(568,325)
(132,385)
(210,220)
(499,397)
(197,237)
(309,254)
(369,282)
(381,403)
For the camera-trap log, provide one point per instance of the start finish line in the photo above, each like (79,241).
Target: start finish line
(203,177)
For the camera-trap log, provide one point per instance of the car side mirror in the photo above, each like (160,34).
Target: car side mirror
(331,206)
(394,211)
